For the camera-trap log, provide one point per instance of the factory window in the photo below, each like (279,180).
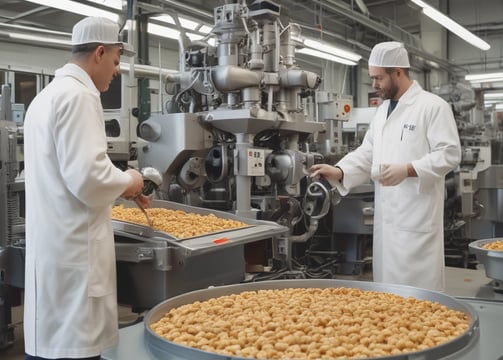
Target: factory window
(25,86)
(111,99)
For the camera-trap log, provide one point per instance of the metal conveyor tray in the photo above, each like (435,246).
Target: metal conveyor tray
(257,230)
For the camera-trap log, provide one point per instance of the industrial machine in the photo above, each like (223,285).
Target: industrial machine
(244,125)
(473,192)
(11,220)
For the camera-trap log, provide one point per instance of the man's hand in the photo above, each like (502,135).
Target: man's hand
(135,186)
(144,201)
(329,172)
(393,174)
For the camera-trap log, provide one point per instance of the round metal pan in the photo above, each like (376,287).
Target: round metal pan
(492,259)
(163,349)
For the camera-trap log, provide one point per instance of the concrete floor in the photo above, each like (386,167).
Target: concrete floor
(16,350)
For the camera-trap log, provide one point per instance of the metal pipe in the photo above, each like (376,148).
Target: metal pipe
(313,226)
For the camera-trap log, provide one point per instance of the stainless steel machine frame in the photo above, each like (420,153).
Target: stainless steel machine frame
(153,266)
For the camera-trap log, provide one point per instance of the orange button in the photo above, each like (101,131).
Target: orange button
(347,108)
(220,241)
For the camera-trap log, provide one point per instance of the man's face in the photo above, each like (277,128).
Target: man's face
(384,82)
(109,60)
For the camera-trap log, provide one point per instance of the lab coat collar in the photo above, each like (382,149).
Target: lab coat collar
(411,93)
(407,97)
(78,73)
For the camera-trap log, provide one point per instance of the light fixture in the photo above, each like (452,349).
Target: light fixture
(452,26)
(205,29)
(326,56)
(185,23)
(39,38)
(332,50)
(77,8)
(493,96)
(163,31)
(482,78)
(171,33)
(115,4)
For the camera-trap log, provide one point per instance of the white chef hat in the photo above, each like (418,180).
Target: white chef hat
(389,54)
(99,30)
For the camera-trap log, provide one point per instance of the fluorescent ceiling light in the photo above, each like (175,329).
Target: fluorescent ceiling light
(487,77)
(163,31)
(114,4)
(332,50)
(170,33)
(185,23)
(499,106)
(205,29)
(39,38)
(77,8)
(498,95)
(451,25)
(326,56)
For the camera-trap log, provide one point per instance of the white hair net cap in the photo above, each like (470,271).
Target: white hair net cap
(98,30)
(389,54)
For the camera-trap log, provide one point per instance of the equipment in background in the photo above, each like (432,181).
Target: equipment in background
(241,129)
(345,239)
(120,142)
(11,222)
(474,191)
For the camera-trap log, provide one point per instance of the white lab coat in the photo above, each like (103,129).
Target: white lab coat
(70,284)
(408,243)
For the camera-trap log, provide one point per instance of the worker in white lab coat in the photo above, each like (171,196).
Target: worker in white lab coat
(70,307)
(411,144)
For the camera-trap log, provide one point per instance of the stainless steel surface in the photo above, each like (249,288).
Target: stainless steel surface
(492,260)
(153,266)
(164,349)
(464,284)
(173,139)
(131,229)
(196,245)
(491,178)
(355,213)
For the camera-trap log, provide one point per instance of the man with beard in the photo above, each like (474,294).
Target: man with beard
(411,144)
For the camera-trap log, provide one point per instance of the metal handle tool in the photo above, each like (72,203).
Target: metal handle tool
(144,212)
(152,179)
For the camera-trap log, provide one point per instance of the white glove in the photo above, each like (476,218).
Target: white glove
(393,174)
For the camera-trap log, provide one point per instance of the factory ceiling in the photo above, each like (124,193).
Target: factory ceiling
(354,24)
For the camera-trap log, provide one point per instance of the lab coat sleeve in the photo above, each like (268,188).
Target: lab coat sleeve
(445,148)
(356,165)
(81,147)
